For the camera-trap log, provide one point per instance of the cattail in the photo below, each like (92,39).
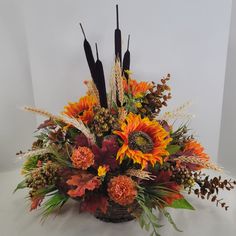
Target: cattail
(100,78)
(126,61)
(118,53)
(89,55)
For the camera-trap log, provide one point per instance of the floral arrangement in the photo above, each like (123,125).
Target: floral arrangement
(116,154)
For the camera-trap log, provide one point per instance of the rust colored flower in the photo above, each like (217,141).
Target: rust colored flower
(163,179)
(82,158)
(136,89)
(83,109)
(122,190)
(144,140)
(195,149)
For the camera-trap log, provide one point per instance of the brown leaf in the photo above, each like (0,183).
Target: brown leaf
(82,181)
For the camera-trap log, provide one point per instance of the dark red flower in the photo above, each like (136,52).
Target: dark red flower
(94,203)
(106,155)
(163,178)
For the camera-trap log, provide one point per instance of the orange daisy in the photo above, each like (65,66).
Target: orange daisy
(144,140)
(136,89)
(83,109)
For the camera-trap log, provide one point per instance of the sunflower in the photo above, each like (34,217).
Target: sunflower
(136,89)
(83,109)
(144,140)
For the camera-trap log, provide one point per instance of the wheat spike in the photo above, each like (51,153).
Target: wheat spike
(119,81)
(122,113)
(198,161)
(112,93)
(92,90)
(179,112)
(78,124)
(142,174)
(66,119)
(32,153)
(41,112)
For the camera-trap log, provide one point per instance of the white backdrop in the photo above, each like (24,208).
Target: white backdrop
(186,38)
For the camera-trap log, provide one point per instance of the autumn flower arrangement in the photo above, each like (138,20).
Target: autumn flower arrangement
(116,154)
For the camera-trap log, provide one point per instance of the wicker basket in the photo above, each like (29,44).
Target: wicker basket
(115,214)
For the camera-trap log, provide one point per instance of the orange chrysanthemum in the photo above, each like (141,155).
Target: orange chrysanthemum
(194,148)
(122,190)
(136,89)
(82,158)
(144,140)
(82,109)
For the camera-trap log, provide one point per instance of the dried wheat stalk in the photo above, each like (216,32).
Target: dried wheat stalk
(119,81)
(179,112)
(66,119)
(78,124)
(41,112)
(198,161)
(92,90)
(37,152)
(122,113)
(112,93)
(142,174)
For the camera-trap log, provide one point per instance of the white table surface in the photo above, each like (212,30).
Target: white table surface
(16,220)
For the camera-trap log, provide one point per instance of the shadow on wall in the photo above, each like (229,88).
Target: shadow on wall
(16,87)
(227,154)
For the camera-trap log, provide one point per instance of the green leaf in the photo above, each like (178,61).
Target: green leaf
(181,204)
(171,221)
(53,203)
(21,185)
(172,149)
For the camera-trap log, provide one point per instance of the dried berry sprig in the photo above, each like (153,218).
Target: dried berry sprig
(103,121)
(183,176)
(41,177)
(156,98)
(209,188)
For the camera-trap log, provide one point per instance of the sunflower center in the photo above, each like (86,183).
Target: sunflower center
(141,141)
